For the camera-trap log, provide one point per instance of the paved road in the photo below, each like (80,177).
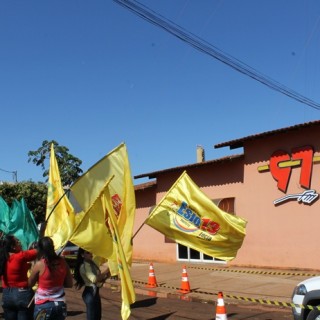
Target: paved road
(163,302)
(157,308)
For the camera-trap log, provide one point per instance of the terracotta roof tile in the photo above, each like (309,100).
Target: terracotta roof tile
(238,143)
(154,174)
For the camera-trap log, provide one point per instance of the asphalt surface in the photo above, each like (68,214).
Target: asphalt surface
(155,308)
(249,293)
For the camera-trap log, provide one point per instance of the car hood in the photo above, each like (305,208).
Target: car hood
(311,283)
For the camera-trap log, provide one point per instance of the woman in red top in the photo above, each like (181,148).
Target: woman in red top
(52,274)
(14,264)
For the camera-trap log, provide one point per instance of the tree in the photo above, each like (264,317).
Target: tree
(35,195)
(69,165)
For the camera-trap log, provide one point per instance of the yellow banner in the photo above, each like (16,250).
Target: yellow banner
(86,189)
(189,217)
(60,216)
(91,232)
(127,289)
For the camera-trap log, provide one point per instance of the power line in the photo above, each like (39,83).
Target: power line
(14,174)
(207,48)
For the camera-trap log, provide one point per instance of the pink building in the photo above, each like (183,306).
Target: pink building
(273,184)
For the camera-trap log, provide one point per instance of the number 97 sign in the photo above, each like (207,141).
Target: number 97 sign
(280,166)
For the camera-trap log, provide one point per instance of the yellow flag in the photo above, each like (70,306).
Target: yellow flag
(127,289)
(91,232)
(86,189)
(60,216)
(189,217)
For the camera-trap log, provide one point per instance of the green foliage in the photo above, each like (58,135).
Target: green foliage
(35,195)
(69,166)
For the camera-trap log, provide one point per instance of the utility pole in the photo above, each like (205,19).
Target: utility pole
(15,176)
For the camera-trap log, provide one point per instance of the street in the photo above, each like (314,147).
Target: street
(165,303)
(156,308)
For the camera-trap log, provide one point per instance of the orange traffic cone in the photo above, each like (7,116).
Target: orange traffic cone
(152,282)
(221,312)
(185,285)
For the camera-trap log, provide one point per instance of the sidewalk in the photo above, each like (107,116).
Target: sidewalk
(262,286)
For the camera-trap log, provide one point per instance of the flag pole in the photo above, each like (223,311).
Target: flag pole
(56,204)
(138,230)
(144,222)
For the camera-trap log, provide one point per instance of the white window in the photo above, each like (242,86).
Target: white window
(187,254)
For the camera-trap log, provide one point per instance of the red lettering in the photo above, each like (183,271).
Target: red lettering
(281,175)
(204,223)
(213,227)
(305,154)
(209,226)
(116,203)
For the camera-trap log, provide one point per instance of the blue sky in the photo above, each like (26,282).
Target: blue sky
(92,74)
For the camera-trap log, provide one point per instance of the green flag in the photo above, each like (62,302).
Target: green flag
(22,224)
(4,217)
(31,232)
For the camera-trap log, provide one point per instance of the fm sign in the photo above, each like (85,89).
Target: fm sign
(280,166)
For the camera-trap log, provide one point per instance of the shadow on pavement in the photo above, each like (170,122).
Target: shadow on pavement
(163,317)
(144,303)
(74,313)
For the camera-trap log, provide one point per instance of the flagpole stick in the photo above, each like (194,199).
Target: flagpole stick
(56,205)
(138,230)
(150,210)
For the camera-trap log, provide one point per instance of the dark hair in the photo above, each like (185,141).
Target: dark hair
(46,251)
(77,276)
(7,246)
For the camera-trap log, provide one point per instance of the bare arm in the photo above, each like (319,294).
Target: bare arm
(34,276)
(68,280)
(103,275)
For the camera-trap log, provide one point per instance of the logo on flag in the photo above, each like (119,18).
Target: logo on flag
(187,220)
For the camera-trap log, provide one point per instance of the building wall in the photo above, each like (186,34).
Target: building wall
(149,244)
(283,235)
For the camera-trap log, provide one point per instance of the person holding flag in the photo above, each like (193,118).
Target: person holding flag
(14,265)
(88,274)
(52,274)
(97,232)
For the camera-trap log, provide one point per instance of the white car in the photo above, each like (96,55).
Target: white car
(306,298)
(69,252)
